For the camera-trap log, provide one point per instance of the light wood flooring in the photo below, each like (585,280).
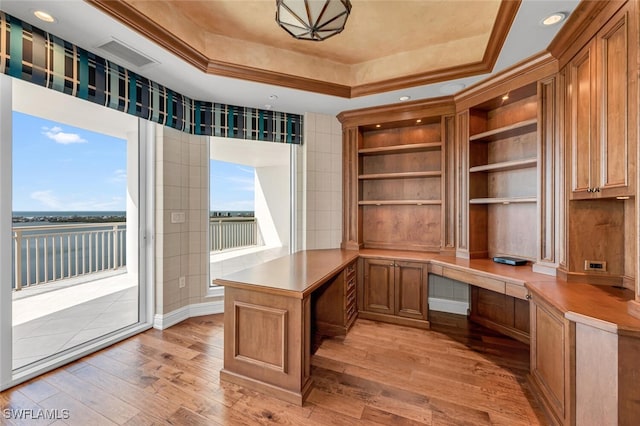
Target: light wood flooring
(457,373)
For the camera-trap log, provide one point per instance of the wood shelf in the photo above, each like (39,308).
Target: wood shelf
(503,200)
(512,130)
(399,149)
(505,165)
(400,175)
(400,202)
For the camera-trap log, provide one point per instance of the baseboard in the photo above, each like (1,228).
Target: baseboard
(449,306)
(163,321)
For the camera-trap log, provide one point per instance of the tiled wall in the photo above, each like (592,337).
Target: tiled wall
(322,182)
(182,179)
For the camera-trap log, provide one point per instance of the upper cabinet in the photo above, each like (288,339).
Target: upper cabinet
(600,94)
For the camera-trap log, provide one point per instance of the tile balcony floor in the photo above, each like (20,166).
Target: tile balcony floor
(57,316)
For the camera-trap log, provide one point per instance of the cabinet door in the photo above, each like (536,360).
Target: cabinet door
(378,286)
(411,290)
(551,359)
(582,122)
(613,93)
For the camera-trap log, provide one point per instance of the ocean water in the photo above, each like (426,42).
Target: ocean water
(71,249)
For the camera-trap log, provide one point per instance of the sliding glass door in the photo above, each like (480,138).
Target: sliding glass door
(74,282)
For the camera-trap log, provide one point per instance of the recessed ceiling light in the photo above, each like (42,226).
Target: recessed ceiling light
(378,126)
(273,97)
(505,97)
(554,18)
(405,98)
(44,16)
(419,120)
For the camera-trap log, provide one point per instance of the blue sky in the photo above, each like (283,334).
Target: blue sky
(63,168)
(57,167)
(232,187)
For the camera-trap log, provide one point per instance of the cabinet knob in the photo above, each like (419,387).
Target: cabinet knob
(596,189)
(528,296)
(589,189)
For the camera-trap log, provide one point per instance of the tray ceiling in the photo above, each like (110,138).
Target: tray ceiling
(386,45)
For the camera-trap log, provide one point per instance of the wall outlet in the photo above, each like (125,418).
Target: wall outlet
(178,217)
(182,281)
(595,265)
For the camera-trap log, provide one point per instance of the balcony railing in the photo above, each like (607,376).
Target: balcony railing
(44,254)
(233,232)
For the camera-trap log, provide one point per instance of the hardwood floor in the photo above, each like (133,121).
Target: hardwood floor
(457,373)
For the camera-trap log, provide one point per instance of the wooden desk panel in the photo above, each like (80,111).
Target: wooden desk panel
(267,322)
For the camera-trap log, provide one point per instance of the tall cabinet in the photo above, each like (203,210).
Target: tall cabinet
(601,131)
(398,182)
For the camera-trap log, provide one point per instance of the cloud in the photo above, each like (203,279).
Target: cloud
(239,183)
(47,199)
(119,175)
(58,136)
(243,169)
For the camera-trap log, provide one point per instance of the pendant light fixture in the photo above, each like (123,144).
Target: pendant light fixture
(314,20)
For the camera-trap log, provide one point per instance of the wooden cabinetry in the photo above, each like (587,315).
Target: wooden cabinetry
(501,312)
(601,98)
(334,304)
(400,186)
(394,291)
(553,360)
(395,188)
(502,181)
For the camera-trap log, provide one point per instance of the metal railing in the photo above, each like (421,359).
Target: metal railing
(49,253)
(233,232)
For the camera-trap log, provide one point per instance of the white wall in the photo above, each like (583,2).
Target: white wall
(272,204)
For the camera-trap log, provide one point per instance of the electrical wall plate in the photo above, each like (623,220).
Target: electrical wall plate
(595,265)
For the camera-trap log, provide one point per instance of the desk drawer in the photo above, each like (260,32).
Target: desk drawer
(476,280)
(351,284)
(350,270)
(517,291)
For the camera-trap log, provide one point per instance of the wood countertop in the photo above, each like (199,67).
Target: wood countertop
(298,274)
(486,267)
(295,275)
(604,307)
(599,306)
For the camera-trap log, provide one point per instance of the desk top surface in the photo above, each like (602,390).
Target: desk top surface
(295,275)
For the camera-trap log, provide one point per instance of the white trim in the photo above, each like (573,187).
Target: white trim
(544,269)
(6,257)
(450,306)
(162,321)
(63,358)
(217,291)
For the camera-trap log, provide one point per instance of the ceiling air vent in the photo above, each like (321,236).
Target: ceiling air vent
(122,51)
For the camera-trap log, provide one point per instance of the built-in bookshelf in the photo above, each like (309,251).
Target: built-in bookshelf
(400,184)
(503,185)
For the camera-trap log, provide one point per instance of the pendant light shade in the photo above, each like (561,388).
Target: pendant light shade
(314,20)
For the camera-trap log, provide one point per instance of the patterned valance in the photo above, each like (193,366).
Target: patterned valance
(33,55)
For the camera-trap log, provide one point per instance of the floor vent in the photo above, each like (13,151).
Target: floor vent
(122,51)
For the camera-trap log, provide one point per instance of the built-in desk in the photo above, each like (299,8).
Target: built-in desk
(584,345)
(269,317)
